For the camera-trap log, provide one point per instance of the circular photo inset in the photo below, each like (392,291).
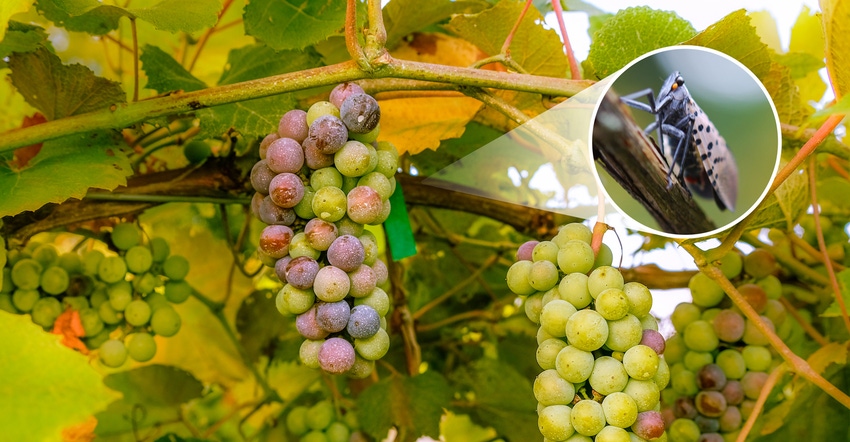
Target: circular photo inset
(686,141)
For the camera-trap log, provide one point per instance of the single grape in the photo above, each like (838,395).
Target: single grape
(90,319)
(646,394)
(755,296)
(165,321)
(752,383)
(111,269)
(381,272)
(274,241)
(362,368)
(264,144)
(176,267)
(45,311)
(641,362)
(159,249)
(373,347)
(297,301)
(378,300)
(261,177)
(640,298)
(108,315)
(608,376)
(315,159)
(705,292)
(342,91)
(545,251)
(26,274)
(139,259)
(555,315)
(363,322)
(612,304)
(120,295)
(649,425)
(711,403)
(308,353)
(700,336)
(301,272)
(733,391)
(113,353)
(137,313)
(125,235)
(45,254)
(329,204)
(336,355)
(333,316)
(364,205)
(757,358)
(308,326)
(156,301)
(729,325)
(683,314)
(732,363)
(196,151)
(603,278)
(554,422)
(363,281)
(141,347)
(285,155)
(575,257)
(684,408)
(771,285)
(331,284)
(370,247)
(759,263)
(293,124)
(707,425)
(731,419)
(573,288)
(328,134)
(286,190)
(320,108)
(379,183)
(624,333)
(653,340)
(304,208)
(346,252)
(296,420)
(356,159)
(320,233)
(587,417)
(684,430)
(320,415)
(543,275)
(54,280)
(694,360)
(573,231)
(270,213)
(587,330)
(551,389)
(754,336)
(612,434)
(684,382)
(360,113)
(605,257)
(775,311)
(548,351)
(620,409)
(300,247)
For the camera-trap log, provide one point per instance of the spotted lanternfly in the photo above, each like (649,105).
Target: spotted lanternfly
(704,162)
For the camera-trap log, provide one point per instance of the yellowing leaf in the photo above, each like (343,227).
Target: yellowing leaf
(8,8)
(439,48)
(807,34)
(766,29)
(836,28)
(416,124)
(832,353)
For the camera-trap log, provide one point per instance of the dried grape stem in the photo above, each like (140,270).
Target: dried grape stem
(762,399)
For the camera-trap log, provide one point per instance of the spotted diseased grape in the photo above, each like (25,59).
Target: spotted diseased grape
(342,91)
(275,240)
(333,316)
(363,322)
(270,213)
(285,155)
(286,190)
(320,233)
(336,355)
(364,205)
(308,325)
(360,113)
(301,272)
(293,124)
(649,425)
(261,177)
(346,253)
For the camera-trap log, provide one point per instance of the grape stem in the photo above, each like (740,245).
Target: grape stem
(797,364)
(771,381)
(839,298)
(807,327)
(575,72)
(811,251)
(204,38)
(402,316)
(799,268)
(456,288)
(135,60)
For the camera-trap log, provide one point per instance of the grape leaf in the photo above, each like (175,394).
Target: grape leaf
(766,29)
(289,378)
(460,428)
(414,405)
(259,117)
(21,37)
(65,168)
(782,208)
(165,74)
(800,64)
(399,22)
(807,34)
(785,94)
(537,49)
(735,36)
(842,107)
(10,8)
(476,135)
(834,310)
(503,398)
(259,324)
(631,33)
(81,15)
(46,386)
(835,30)
(180,15)
(59,90)
(293,24)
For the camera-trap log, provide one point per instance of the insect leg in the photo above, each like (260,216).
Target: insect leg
(652,108)
(676,133)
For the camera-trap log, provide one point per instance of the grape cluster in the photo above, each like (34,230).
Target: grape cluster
(320,423)
(598,345)
(719,361)
(321,177)
(117,301)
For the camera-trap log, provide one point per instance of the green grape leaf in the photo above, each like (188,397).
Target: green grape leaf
(152,394)
(414,405)
(503,398)
(21,37)
(800,64)
(289,378)
(783,207)
(293,24)
(785,94)
(836,27)
(460,428)
(259,324)
(10,8)
(842,107)
(46,386)
(766,29)
(65,168)
(735,36)
(399,22)
(59,90)
(180,15)
(633,32)
(834,310)
(165,74)
(537,49)
(259,117)
(81,15)
(807,34)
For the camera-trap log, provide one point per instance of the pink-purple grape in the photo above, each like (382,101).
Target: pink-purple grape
(275,240)
(280,268)
(381,272)
(364,322)
(711,377)
(307,324)
(328,134)
(343,91)
(684,408)
(360,113)
(346,253)
(261,177)
(320,233)
(752,383)
(315,159)
(264,145)
(293,125)
(731,419)
(524,252)
(336,356)
(301,272)
(363,281)
(649,425)
(364,205)
(286,190)
(728,325)
(653,340)
(333,316)
(285,155)
(733,392)
(271,213)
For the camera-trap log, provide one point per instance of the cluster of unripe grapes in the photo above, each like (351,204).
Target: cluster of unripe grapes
(719,361)
(117,301)
(321,178)
(320,422)
(598,344)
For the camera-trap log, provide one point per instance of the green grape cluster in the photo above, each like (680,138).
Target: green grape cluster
(121,299)
(321,178)
(320,422)
(598,344)
(719,361)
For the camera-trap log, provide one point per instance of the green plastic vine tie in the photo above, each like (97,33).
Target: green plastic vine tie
(397,225)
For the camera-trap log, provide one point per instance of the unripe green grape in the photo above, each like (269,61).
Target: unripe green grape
(683,430)
(646,394)
(320,415)
(605,257)
(612,434)
(640,298)
(754,336)
(731,264)
(757,358)
(45,311)
(612,304)
(694,360)
(329,204)
(533,307)
(545,251)
(112,269)
(297,300)
(776,312)
(554,316)
(377,182)
(6,285)
(608,375)
(732,363)
(159,249)
(378,300)
(604,278)
(575,257)
(587,330)
(684,314)
(54,280)
(573,288)
(573,231)
(165,321)
(573,364)
(518,278)
(641,362)
(176,267)
(95,342)
(145,283)
(624,333)
(304,208)
(125,235)
(337,432)
(141,347)
(700,336)
(296,420)
(7,304)
(309,352)
(139,259)
(196,151)
(325,177)
(684,382)
(649,322)
(177,291)
(551,295)
(370,247)
(108,314)
(771,285)
(547,352)
(356,159)
(314,436)
(620,409)
(137,313)
(320,108)
(156,301)
(554,422)
(387,163)
(705,292)
(45,254)
(113,353)
(374,347)
(709,314)
(91,261)
(26,274)
(90,319)
(551,389)
(71,262)
(361,369)
(120,295)
(674,349)
(587,417)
